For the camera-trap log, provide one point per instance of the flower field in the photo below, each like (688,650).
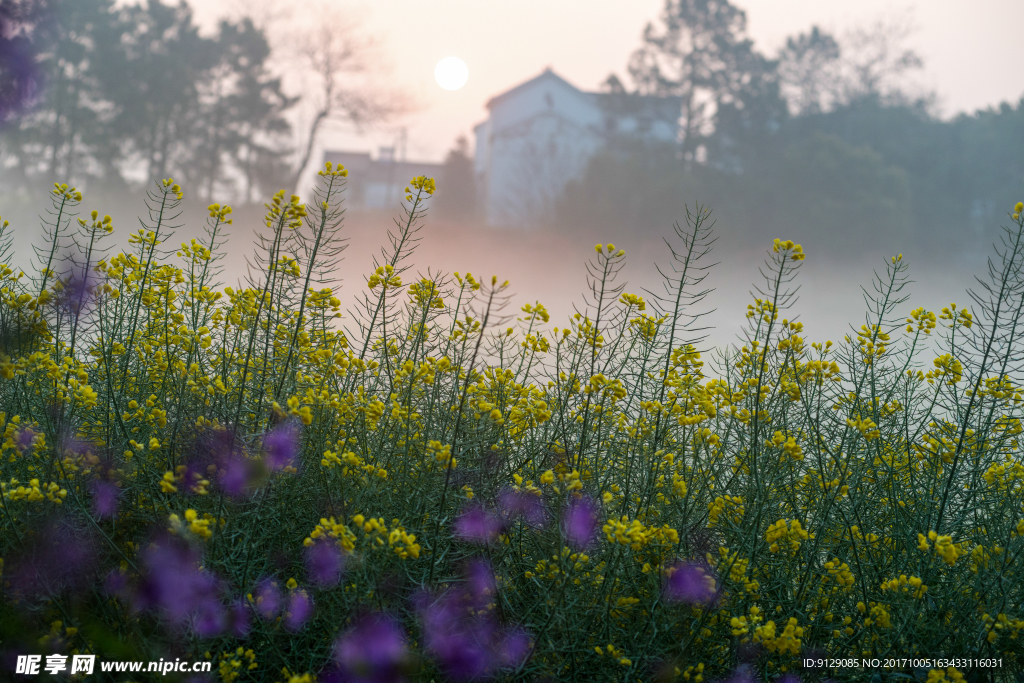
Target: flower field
(444,486)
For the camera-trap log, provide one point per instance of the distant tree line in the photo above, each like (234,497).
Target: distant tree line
(824,142)
(110,95)
(132,92)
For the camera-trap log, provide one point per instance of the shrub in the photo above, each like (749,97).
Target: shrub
(434,494)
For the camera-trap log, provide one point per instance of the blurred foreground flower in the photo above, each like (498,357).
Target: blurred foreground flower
(299,610)
(372,651)
(174,585)
(580,523)
(267,598)
(462,635)
(324,563)
(520,504)
(477,525)
(689,582)
(105,496)
(282,446)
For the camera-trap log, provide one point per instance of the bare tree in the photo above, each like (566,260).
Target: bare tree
(808,68)
(340,64)
(817,72)
(336,59)
(876,59)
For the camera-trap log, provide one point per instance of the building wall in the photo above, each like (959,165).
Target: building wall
(541,134)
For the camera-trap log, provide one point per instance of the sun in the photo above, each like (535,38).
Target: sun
(451,73)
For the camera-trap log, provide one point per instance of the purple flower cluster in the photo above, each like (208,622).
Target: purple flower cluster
(478,525)
(579,523)
(105,498)
(282,446)
(690,582)
(324,563)
(23,438)
(461,633)
(297,606)
(174,585)
(372,651)
(521,505)
(79,291)
(268,600)
(236,474)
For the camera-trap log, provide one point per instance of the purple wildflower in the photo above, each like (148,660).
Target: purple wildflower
(463,636)
(104,498)
(209,620)
(21,79)
(79,291)
(477,525)
(789,678)
(23,439)
(282,446)
(691,583)
(579,524)
(239,618)
(324,563)
(174,584)
(480,581)
(268,599)
(299,610)
(235,476)
(516,504)
(372,651)
(514,649)
(467,646)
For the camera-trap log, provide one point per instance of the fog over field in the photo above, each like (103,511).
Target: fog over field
(858,132)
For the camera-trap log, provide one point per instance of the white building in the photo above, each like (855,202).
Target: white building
(540,135)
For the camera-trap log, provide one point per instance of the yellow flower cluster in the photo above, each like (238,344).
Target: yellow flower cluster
(330,169)
(789,446)
(199,526)
(1001,625)
(864,425)
(33,493)
(944,546)
(840,573)
(420,184)
(730,506)
(332,529)
(171,480)
(787,532)
(795,251)
(234,664)
(786,642)
(921,320)
(951,674)
(615,653)
(350,462)
(384,277)
(611,251)
(912,585)
(635,535)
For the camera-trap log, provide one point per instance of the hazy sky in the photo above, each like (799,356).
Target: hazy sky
(973,51)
